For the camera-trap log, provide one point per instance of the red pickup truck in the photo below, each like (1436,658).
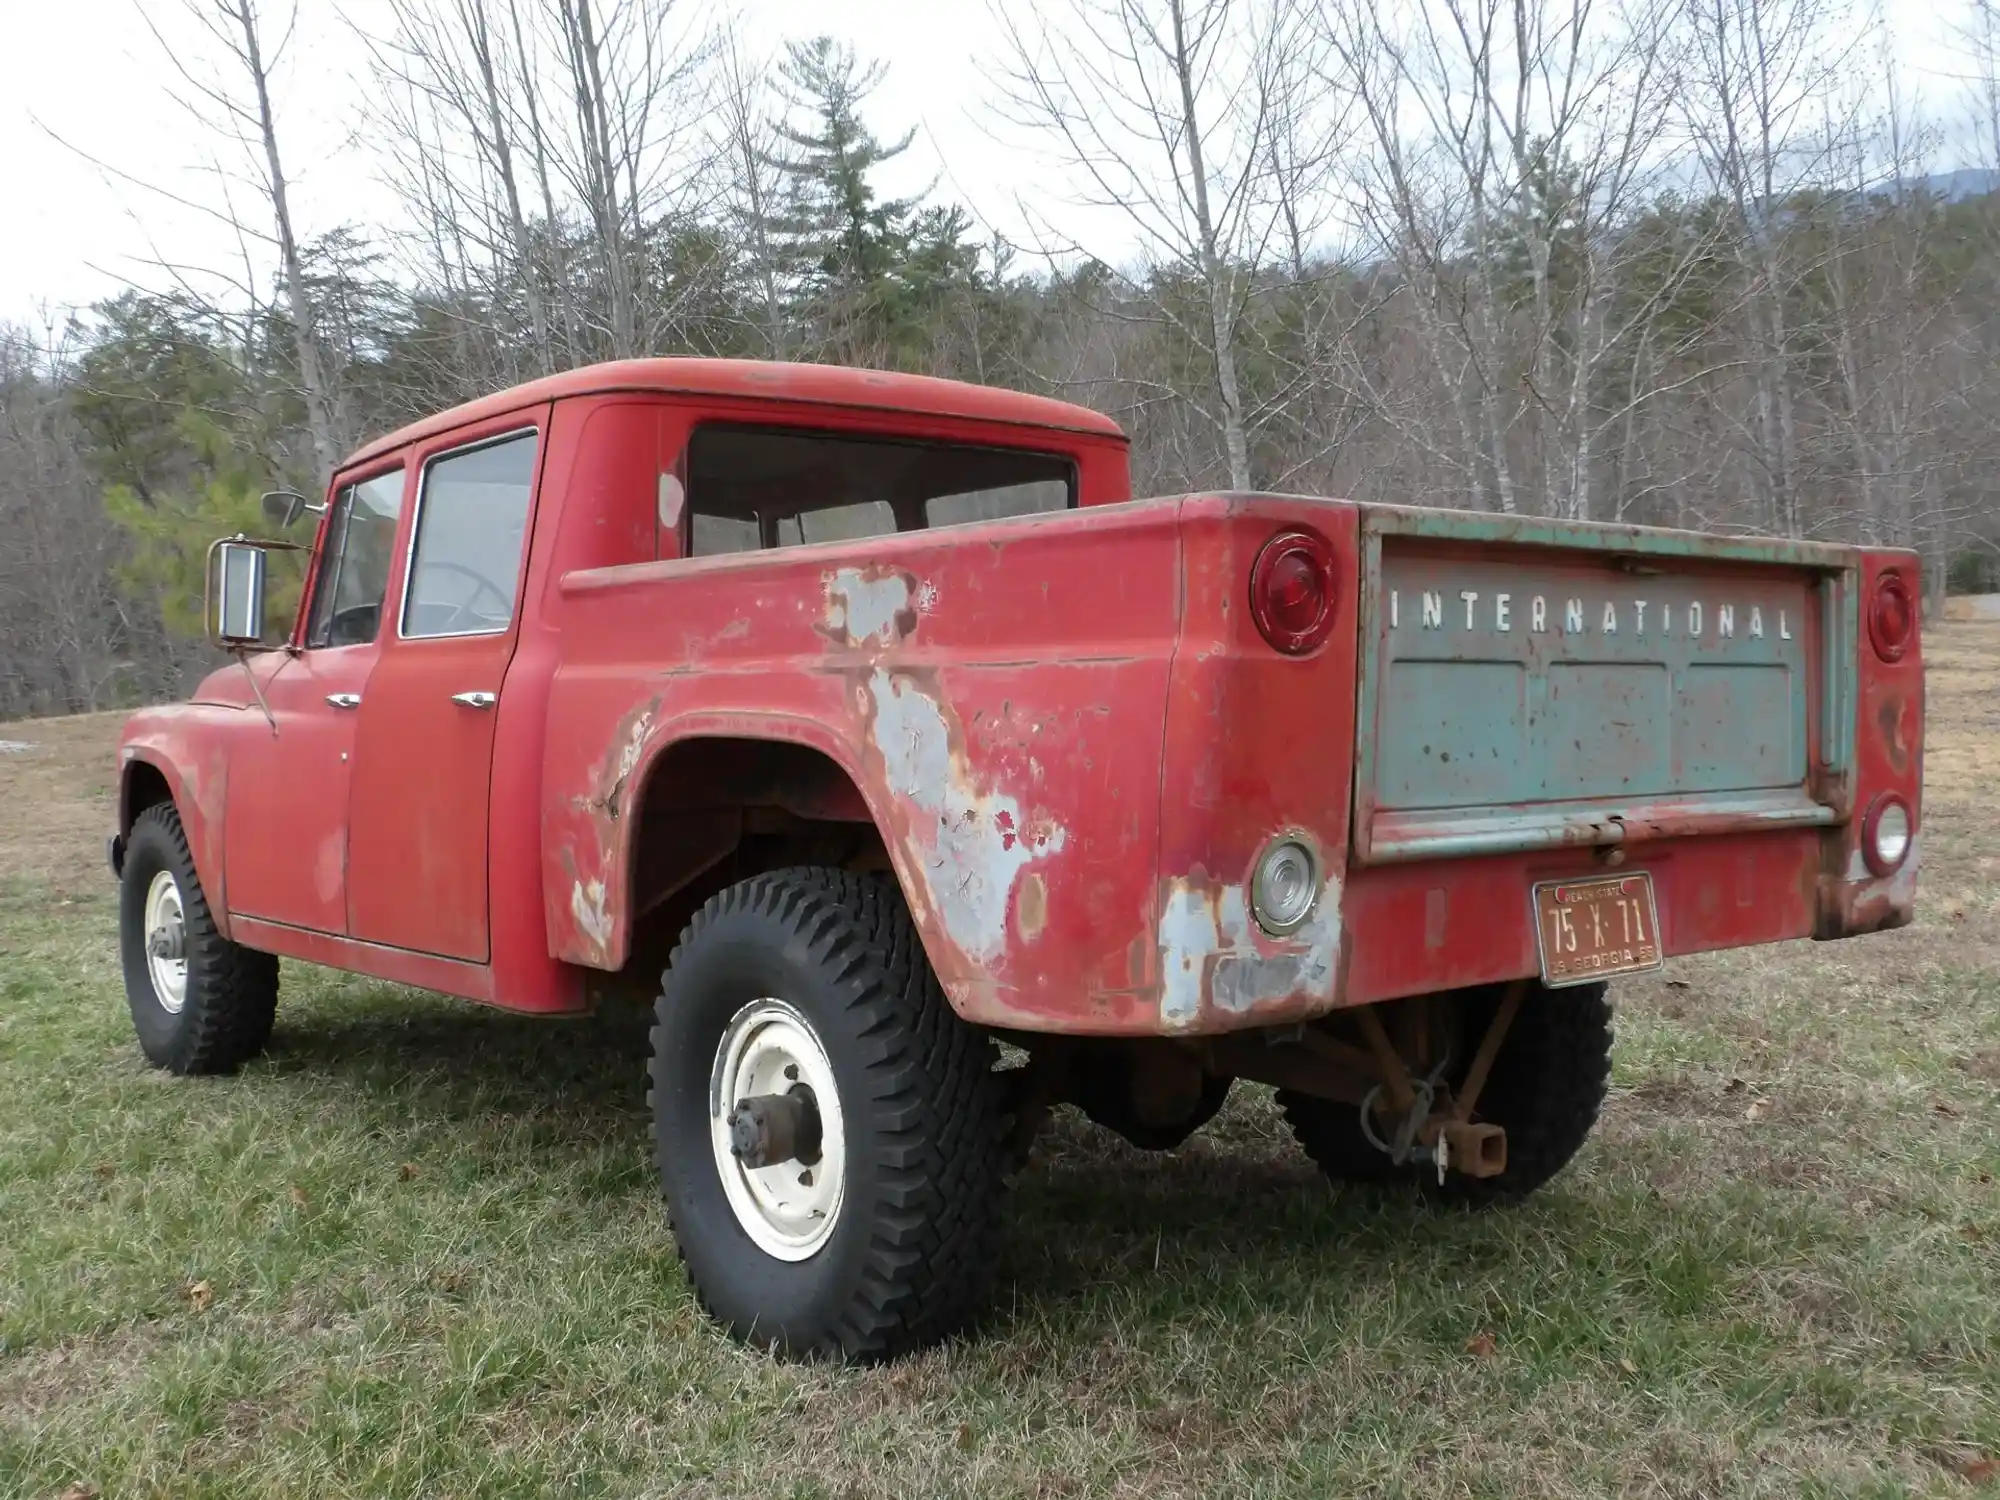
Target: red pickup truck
(870,723)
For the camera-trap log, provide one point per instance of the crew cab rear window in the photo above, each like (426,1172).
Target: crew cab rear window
(754,487)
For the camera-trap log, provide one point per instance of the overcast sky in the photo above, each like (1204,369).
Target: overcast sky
(85,80)
(87,84)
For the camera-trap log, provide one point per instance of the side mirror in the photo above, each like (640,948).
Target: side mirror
(282,508)
(237,575)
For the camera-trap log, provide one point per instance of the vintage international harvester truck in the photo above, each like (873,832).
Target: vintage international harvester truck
(873,713)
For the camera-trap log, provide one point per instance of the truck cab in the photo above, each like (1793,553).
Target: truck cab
(865,721)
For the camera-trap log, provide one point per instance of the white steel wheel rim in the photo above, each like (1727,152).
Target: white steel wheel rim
(166,942)
(788,1209)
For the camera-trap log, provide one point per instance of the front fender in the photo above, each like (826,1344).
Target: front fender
(184,746)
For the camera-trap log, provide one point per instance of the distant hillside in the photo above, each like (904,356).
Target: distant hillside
(1966,182)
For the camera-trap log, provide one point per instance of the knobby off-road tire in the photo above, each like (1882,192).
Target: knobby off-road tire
(908,1252)
(228,994)
(1545,1090)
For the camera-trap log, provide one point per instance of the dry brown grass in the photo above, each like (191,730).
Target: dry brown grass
(1775,1270)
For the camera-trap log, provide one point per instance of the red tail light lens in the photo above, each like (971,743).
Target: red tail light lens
(1291,591)
(1892,617)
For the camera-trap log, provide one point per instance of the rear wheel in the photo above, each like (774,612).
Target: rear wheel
(1545,1091)
(830,1136)
(200,1003)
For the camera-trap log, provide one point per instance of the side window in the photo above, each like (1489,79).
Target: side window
(354,565)
(472,518)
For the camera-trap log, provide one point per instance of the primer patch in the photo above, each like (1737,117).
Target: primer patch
(882,609)
(1209,942)
(974,843)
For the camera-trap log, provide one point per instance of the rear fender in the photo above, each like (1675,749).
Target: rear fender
(990,698)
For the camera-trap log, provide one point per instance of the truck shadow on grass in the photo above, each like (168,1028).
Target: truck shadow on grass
(1097,1227)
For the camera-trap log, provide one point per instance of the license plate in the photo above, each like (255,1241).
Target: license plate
(1591,929)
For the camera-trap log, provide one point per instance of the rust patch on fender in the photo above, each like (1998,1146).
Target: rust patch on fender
(873,606)
(1031,908)
(1862,903)
(972,843)
(614,772)
(1219,969)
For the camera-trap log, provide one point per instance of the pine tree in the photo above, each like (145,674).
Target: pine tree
(849,245)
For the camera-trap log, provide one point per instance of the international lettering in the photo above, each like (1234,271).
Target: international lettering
(1463,610)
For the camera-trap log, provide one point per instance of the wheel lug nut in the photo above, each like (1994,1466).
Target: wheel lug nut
(805,1179)
(792,1071)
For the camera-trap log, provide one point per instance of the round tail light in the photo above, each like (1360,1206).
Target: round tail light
(1892,617)
(1291,591)
(1885,835)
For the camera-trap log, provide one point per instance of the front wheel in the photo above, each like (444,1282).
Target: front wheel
(200,1003)
(830,1135)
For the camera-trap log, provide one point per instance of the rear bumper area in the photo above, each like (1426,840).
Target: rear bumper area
(1419,928)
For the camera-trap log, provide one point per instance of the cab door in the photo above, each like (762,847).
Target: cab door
(285,827)
(423,764)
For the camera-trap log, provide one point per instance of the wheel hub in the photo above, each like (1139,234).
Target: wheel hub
(166,942)
(776,1129)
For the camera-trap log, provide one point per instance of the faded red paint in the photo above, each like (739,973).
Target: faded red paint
(1067,729)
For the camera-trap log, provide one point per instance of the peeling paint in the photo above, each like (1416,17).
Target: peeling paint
(586,904)
(1213,954)
(1868,902)
(974,843)
(879,608)
(621,763)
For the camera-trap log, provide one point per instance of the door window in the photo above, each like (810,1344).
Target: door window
(472,519)
(354,564)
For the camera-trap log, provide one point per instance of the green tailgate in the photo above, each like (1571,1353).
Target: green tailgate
(1532,683)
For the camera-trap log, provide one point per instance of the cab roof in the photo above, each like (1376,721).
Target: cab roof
(769,380)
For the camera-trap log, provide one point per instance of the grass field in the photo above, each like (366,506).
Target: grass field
(418,1249)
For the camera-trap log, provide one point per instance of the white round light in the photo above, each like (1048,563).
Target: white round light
(1892,834)
(1285,886)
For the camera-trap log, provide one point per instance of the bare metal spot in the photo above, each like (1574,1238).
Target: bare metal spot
(586,904)
(882,609)
(975,843)
(1210,949)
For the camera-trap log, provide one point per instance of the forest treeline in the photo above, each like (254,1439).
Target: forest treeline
(1693,263)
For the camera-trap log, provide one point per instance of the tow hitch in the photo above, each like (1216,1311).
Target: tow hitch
(1409,1109)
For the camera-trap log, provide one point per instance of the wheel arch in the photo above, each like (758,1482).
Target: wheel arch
(153,771)
(143,784)
(712,800)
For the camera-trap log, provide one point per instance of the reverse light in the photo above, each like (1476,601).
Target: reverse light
(1285,887)
(1885,835)
(1291,591)
(1892,617)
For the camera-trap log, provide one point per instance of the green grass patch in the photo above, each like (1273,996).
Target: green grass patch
(417,1250)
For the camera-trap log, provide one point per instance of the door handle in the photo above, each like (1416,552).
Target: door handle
(476,700)
(344,700)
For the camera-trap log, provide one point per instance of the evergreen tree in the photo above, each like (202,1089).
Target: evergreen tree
(848,245)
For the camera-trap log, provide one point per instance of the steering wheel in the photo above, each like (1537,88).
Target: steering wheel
(481,585)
